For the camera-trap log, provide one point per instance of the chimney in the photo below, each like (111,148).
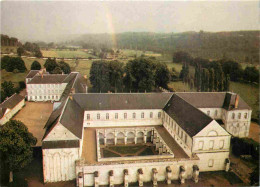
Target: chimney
(236,101)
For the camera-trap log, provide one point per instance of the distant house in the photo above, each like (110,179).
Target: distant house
(10,107)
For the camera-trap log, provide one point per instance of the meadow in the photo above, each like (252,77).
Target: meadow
(66,54)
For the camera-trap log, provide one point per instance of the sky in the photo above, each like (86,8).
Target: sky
(50,20)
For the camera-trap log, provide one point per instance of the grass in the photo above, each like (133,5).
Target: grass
(126,149)
(147,151)
(249,93)
(66,54)
(179,86)
(108,154)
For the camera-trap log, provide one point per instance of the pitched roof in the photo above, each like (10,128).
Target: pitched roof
(32,73)
(122,101)
(213,100)
(60,144)
(190,119)
(72,118)
(48,79)
(10,103)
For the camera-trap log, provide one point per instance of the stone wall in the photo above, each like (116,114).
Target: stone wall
(133,171)
(59,164)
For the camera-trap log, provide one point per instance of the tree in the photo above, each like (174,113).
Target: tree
(211,79)
(36,65)
(184,72)
(162,75)
(20,51)
(57,70)
(205,80)
(140,74)
(65,67)
(11,63)
(181,57)
(50,64)
(38,53)
(116,72)
(16,146)
(5,62)
(8,88)
(226,83)
(99,76)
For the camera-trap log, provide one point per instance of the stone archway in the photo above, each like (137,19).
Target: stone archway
(140,137)
(130,137)
(110,138)
(148,136)
(101,138)
(120,138)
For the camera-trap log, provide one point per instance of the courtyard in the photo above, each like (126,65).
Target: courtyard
(35,115)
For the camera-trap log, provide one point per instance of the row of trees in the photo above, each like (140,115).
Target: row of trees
(13,64)
(229,67)
(138,75)
(29,47)
(9,41)
(54,67)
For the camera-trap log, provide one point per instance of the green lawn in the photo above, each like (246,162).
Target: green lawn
(179,86)
(108,154)
(147,151)
(249,93)
(126,149)
(66,54)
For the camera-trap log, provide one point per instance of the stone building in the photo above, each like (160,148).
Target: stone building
(41,86)
(10,107)
(180,127)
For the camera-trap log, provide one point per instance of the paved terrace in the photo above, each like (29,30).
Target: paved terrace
(89,150)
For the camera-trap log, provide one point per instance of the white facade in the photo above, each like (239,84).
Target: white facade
(45,92)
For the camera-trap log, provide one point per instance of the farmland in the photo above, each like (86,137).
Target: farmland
(66,54)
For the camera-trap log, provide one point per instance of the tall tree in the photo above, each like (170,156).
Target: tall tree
(50,64)
(8,88)
(65,67)
(226,83)
(20,51)
(162,75)
(16,146)
(211,79)
(36,65)
(116,72)
(181,57)
(99,76)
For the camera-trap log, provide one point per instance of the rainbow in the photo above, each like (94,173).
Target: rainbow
(110,26)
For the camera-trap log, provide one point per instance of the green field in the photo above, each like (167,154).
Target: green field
(66,54)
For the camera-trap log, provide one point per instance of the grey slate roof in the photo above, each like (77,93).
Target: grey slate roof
(122,101)
(10,103)
(212,99)
(60,144)
(48,79)
(72,118)
(32,73)
(190,119)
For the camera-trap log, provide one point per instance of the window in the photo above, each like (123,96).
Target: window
(233,115)
(56,97)
(211,162)
(88,116)
(40,97)
(98,116)
(208,112)
(211,144)
(125,115)
(245,115)
(151,115)
(116,115)
(216,112)
(178,131)
(53,97)
(142,115)
(35,97)
(44,97)
(221,144)
(239,115)
(159,115)
(107,115)
(201,144)
(175,127)
(134,115)
(185,138)
(181,134)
